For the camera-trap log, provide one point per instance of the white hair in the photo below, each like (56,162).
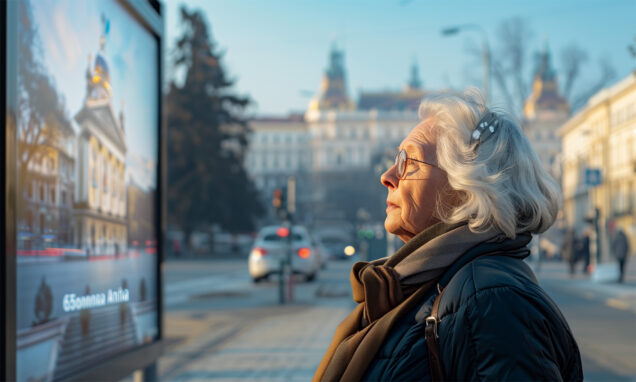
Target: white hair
(501,182)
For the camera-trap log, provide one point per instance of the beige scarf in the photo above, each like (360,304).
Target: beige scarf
(387,288)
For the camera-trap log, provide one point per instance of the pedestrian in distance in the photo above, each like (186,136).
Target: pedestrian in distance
(583,250)
(457,302)
(568,249)
(620,250)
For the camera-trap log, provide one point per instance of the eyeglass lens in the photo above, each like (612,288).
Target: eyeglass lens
(400,161)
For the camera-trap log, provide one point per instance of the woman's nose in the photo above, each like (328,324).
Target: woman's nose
(389,178)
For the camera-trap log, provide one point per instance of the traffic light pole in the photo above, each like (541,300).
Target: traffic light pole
(291,209)
(285,203)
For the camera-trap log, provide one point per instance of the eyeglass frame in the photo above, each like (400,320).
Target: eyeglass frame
(405,166)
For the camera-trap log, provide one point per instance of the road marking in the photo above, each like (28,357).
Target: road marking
(616,303)
(181,291)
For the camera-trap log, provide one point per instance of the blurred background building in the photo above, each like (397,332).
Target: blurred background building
(337,149)
(100,197)
(599,161)
(545,110)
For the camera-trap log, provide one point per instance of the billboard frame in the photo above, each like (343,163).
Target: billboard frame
(148,14)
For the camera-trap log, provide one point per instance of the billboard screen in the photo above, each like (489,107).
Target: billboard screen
(87,153)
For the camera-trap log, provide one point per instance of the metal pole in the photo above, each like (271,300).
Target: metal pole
(281,282)
(291,208)
(485,52)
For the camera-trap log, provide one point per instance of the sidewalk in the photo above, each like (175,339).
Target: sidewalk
(258,340)
(616,295)
(287,345)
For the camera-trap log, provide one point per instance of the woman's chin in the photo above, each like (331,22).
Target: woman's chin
(391,224)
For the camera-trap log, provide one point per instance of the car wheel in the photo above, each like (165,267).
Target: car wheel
(257,280)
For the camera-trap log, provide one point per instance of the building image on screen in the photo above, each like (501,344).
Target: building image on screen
(87,143)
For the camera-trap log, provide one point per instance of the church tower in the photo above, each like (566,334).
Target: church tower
(333,90)
(545,99)
(544,112)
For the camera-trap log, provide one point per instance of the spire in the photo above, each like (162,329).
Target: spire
(414,82)
(333,92)
(99,81)
(545,96)
(544,66)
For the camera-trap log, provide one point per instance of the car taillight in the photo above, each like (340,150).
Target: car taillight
(304,253)
(259,252)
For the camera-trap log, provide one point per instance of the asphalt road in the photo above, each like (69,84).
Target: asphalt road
(209,303)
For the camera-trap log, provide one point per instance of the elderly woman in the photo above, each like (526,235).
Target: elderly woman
(457,301)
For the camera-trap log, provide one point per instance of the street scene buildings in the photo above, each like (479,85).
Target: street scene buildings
(599,162)
(335,147)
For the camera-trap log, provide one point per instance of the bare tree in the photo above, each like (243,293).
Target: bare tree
(607,74)
(508,62)
(572,58)
(511,73)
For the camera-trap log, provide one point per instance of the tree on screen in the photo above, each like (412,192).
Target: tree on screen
(41,109)
(207,138)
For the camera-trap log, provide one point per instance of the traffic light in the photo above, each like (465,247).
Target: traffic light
(277,202)
(280,202)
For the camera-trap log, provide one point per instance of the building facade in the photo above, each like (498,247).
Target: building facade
(278,149)
(100,191)
(602,136)
(48,182)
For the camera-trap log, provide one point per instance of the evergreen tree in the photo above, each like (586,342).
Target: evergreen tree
(207,139)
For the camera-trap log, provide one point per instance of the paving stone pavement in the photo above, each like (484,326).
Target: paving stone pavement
(286,344)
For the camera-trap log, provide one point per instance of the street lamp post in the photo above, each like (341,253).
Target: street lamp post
(485,55)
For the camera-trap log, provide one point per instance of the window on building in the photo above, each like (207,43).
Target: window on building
(42,193)
(30,190)
(42,223)
(63,200)
(105,171)
(52,195)
(29,221)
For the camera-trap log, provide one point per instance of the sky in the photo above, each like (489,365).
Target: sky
(69,32)
(277,50)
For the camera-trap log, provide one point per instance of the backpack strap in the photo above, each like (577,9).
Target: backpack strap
(432,341)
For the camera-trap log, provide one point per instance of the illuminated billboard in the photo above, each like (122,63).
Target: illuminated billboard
(86,115)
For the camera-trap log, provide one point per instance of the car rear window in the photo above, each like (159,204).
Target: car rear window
(274,237)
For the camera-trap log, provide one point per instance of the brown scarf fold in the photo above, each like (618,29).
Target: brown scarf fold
(385,290)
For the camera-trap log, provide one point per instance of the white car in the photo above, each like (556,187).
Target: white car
(271,246)
(322,252)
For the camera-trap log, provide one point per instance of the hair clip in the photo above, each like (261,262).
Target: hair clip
(485,128)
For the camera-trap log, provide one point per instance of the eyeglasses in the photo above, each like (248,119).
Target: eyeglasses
(401,161)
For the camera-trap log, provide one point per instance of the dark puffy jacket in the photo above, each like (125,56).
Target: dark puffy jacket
(496,324)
